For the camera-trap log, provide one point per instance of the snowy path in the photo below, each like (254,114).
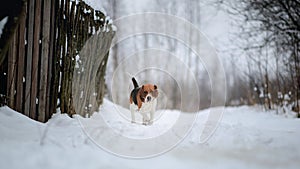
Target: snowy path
(245,138)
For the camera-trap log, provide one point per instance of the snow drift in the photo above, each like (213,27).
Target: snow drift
(246,138)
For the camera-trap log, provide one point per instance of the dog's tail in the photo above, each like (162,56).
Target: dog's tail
(135,84)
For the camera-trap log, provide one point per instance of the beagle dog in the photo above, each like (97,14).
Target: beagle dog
(143,100)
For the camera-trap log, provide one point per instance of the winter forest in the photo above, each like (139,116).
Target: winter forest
(218,84)
(256,42)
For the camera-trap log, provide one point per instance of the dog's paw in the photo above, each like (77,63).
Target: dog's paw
(150,122)
(147,122)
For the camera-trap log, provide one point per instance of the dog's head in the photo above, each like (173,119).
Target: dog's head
(148,92)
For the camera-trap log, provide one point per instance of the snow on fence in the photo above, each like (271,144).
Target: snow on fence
(41,55)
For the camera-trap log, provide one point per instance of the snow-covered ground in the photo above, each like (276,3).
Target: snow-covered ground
(246,137)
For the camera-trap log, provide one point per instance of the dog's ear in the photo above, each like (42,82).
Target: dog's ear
(155,91)
(143,87)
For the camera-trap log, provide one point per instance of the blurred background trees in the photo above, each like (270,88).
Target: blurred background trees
(269,37)
(260,53)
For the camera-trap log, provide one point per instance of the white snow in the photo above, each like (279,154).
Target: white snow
(2,24)
(246,137)
(78,61)
(286,97)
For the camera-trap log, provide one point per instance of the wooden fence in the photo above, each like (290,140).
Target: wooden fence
(41,55)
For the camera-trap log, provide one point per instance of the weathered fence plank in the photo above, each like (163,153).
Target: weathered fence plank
(11,78)
(21,61)
(30,30)
(56,59)
(64,62)
(35,60)
(51,60)
(44,61)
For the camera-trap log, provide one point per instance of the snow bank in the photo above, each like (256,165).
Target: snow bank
(246,138)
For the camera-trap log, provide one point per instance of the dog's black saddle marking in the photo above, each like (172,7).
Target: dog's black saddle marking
(133,94)
(135,91)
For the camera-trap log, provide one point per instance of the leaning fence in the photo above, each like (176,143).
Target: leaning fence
(40,60)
